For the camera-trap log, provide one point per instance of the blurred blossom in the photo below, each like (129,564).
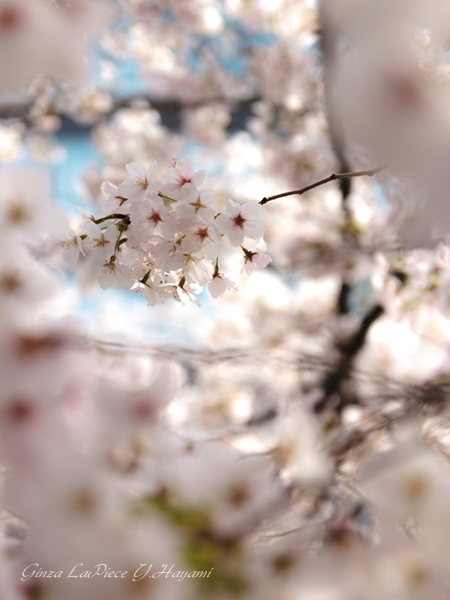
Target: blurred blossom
(38,39)
(10,142)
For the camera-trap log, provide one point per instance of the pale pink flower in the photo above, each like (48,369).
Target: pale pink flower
(255,259)
(72,248)
(168,255)
(114,201)
(203,239)
(147,216)
(30,35)
(181,182)
(220,283)
(185,296)
(154,291)
(197,270)
(24,208)
(111,273)
(239,221)
(199,208)
(142,183)
(101,243)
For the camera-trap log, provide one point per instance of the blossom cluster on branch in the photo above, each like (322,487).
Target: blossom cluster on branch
(297,445)
(163,239)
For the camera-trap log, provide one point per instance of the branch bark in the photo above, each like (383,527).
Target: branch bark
(333,177)
(349,351)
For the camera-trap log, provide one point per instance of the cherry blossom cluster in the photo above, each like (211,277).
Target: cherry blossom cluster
(164,239)
(46,37)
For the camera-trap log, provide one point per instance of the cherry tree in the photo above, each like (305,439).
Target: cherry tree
(276,188)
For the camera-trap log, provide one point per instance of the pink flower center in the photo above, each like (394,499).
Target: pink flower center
(406,91)
(239,221)
(154,217)
(197,204)
(20,411)
(100,242)
(202,234)
(144,410)
(249,256)
(10,18)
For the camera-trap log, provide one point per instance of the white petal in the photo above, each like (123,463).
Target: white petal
(216,287)
(136,170)
(233,208)
(109,189)
(106,276)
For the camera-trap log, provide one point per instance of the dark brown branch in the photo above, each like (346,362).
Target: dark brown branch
(349,350)
(343,298)
(329,47)
(333,177)
(125,218)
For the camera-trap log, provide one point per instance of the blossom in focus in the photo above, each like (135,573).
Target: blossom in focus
(256,258)
(202,238)
(114,201)
(180,181)
(161,246)
(239,221)
(147,217)
(101,242)
(220,283)
(200,208)
(142,183)
(72,249)
(112,272)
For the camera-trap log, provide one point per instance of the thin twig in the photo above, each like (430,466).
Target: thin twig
(333,177)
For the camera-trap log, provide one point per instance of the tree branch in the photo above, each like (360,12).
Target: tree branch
(349,351)
(333,177)
(125,218)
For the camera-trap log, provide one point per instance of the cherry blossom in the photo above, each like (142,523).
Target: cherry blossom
(256,258)
(112,272)
(202,238)
(38,38)
(238,222)
(72,249)
(141,184)
(220,283)
(24,202)
(114,201)
(147,217)
(200,208)
(101,242)
(180,181)
(160,246)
